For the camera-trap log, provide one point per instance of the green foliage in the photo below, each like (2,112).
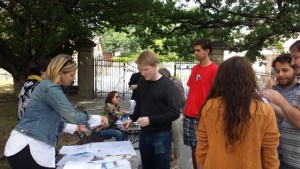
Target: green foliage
(39,28)
(34,28)
(170,57)
(120,41)
(123,59)
(130,55)
(252,55)
(243,25)
(276,48)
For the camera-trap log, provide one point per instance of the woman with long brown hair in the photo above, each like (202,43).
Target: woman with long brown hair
(236,129)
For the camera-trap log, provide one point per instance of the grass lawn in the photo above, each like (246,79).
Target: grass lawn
(8,115)
(8,119)
(6,86)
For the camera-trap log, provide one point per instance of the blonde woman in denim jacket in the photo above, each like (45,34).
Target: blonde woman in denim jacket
(31,144)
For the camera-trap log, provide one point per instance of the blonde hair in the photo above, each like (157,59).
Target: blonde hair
(147,58)
(60,63)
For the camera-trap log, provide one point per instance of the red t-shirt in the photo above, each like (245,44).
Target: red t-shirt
(199,82)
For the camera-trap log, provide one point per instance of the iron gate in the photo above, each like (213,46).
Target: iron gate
(113,75)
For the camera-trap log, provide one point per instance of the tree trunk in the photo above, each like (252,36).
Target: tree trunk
(19,81)
(16,65)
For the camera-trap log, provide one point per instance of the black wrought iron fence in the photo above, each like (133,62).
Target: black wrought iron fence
(115,74)
(182,71)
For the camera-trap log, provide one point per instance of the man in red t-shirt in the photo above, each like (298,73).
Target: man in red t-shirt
(199,82)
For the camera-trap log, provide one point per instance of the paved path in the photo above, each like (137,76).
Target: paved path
(93,105)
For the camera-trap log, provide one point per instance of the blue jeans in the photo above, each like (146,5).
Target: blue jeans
(155,149)
(110,133)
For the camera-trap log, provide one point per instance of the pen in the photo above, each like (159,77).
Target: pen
(78,154)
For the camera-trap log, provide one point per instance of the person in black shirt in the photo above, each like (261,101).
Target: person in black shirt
(133,84)
(156,107)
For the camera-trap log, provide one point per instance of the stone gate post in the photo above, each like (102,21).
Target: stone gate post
(86,69)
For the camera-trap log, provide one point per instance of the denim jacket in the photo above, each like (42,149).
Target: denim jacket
(46,111)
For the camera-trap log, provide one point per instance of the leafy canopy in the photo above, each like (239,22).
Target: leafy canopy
(242,25)
(35,28)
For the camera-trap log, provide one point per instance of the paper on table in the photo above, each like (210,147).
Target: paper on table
(114,148)
(101,148)
(118,164)
(76,149)
(77,158)
(82,165)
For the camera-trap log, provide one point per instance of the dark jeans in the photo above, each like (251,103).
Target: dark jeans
(285,166)
(155,149)
(118,134)
(24,160)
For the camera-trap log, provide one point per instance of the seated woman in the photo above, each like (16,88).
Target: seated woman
(113,112)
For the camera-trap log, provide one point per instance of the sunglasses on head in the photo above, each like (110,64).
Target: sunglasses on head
(69,60)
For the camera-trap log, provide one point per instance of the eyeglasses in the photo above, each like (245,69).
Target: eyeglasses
(69,60)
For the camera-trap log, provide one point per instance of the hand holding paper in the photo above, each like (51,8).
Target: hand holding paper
(96,120)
